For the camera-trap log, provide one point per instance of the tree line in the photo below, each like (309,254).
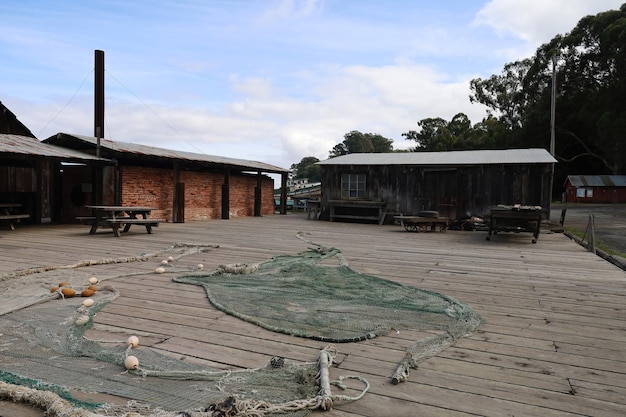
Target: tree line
(588,66)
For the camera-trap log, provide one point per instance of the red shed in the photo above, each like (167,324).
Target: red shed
(595,189)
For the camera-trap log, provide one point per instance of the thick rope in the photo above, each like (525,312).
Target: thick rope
(183,249)
(54,405)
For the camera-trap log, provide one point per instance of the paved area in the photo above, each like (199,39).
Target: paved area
(609,223)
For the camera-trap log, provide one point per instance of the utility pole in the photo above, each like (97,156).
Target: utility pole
(98,125)
(552,128)
(99,94)
(553,108)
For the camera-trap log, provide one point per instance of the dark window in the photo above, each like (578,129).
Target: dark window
(353,186)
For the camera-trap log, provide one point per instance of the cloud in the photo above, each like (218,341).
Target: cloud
(288,9)
(275,124)
(538,21)
(269,80)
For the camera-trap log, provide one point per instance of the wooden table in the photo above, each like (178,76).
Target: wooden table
(7,214)
(516,219)
(117,216)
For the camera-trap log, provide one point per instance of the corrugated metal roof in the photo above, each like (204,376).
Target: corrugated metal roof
(144,150)
(507,156)
(18,145)
(597,180)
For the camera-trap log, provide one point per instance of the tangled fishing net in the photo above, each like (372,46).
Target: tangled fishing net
(44,353)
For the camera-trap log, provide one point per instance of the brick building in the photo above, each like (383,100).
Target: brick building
(54,179)
(183,186)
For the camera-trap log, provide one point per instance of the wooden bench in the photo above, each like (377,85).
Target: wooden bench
(11,217)
(127,222)
(86,219)
(357,210)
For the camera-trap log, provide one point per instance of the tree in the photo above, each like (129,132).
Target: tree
(437,134)
(504,93)
(307,168)
(590,107)
(357,142)
(490,133)
(433,135)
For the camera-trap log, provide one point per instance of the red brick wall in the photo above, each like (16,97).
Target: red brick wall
(145,186)
(203,192)
(203,195)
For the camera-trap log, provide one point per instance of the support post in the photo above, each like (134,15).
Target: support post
(591,247)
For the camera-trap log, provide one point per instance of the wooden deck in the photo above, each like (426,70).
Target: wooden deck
(552,345)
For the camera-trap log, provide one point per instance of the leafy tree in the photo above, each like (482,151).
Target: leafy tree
(490,133)
(433,135)
(437,134)
(504,93)
(306,168)
(589,64)
(357,142)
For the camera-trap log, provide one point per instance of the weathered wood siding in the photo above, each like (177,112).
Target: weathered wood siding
(452,190)
(30,183)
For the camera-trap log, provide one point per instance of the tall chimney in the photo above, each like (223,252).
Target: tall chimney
(98,128)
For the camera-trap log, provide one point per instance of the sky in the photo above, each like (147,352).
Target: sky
(265,80)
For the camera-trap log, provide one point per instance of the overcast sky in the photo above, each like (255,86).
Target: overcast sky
(265,80)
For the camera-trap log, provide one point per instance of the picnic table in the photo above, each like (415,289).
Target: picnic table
(117,217)
(6,213)
(515,218)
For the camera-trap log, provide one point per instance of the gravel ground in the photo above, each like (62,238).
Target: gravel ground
(609,223)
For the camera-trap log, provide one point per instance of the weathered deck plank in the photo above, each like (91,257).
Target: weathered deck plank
(551,344)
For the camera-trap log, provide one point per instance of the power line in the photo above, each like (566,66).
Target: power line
(154,112)
(66,104)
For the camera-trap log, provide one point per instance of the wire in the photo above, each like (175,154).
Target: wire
(106,124)
(154,112)
(68,103)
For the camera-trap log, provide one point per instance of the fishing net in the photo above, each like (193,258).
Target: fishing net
(44,349)
(296,295)
(45,355)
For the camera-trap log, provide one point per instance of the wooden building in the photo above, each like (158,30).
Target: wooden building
(183,186)
(52,180)
(595,189)
(10,124)
(376,186)
(29,170)
(29,175)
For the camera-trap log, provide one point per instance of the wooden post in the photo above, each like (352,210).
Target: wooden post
(226,196)
(283,193)
(592,235)
(257,196)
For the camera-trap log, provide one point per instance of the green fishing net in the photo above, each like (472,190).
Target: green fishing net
(303,296)
(44,348)
(295,296)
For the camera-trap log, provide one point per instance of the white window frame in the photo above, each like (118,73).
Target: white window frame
(353,186)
